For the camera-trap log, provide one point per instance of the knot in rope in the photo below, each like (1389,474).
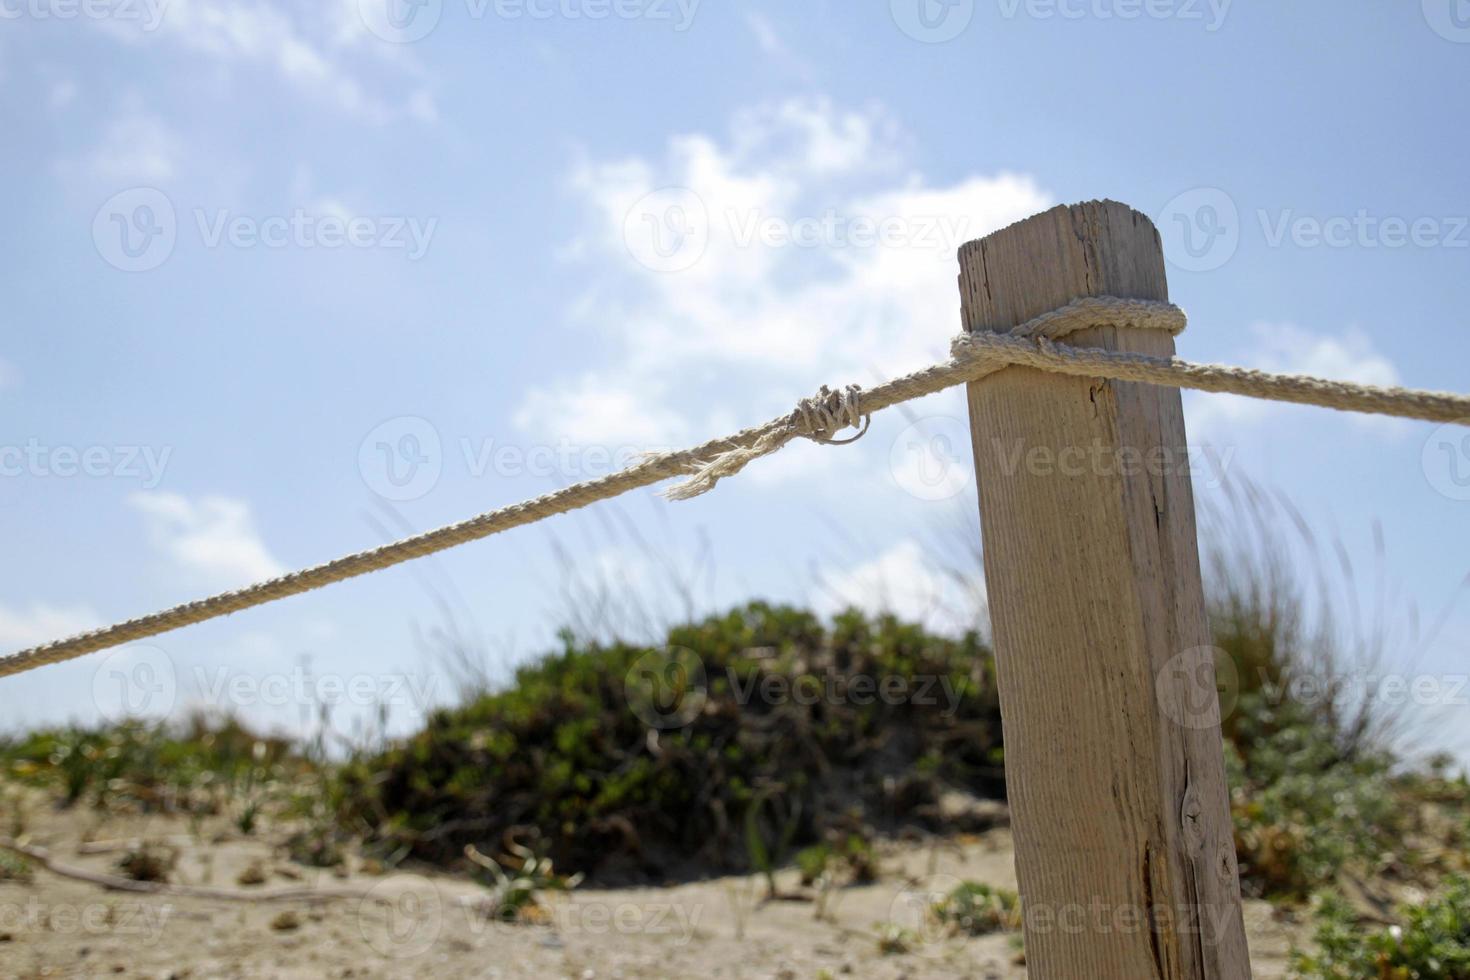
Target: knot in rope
(829,411)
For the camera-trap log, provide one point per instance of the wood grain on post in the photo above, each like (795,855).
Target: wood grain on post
(1114,764)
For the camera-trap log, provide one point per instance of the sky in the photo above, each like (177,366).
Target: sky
(285,281)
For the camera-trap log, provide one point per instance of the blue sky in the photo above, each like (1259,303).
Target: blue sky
(284,280)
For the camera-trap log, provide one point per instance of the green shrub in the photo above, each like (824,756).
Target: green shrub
(978,909)
(567,750)
(1303,811)
(1431,943)
(197,765)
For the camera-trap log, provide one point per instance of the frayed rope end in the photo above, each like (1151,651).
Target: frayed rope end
(817,418)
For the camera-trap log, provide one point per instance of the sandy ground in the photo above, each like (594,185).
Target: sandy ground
(424,924)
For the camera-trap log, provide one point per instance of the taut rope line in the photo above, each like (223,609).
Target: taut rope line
(974,356)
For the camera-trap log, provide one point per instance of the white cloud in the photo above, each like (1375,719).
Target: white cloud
(866,292)
(1289,349)
(769,40)
(903,580)
(136,147)
(592,410)
(304,48)
(37,623)
(213,537)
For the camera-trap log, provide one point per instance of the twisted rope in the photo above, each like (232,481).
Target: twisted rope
(974,356)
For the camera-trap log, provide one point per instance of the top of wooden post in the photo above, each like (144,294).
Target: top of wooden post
(1096,248)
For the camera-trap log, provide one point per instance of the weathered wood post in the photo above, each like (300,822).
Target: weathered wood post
(1114,764)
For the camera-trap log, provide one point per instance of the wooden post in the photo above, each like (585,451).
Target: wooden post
(1114,766)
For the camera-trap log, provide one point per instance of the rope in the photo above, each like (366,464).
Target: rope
(973,356)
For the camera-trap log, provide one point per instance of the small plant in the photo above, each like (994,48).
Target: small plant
(149,861)
(317,846)
(847,859)
(15,868)
(894,939)
(516,897)
(771,823)
(977,909)
(1432,943)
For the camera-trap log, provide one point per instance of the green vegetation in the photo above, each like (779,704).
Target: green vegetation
(1305,812)
(781,741)
(199,766)
(977,909)
(765,736)
(848,858)
(1431,943)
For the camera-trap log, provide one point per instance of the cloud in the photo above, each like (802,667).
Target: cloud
(136,147)
(815,259)
(9,374)
(304,48)
(776,50)
(1286,348)
(593,410)
(39,623)
(905,581)
(213,537)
